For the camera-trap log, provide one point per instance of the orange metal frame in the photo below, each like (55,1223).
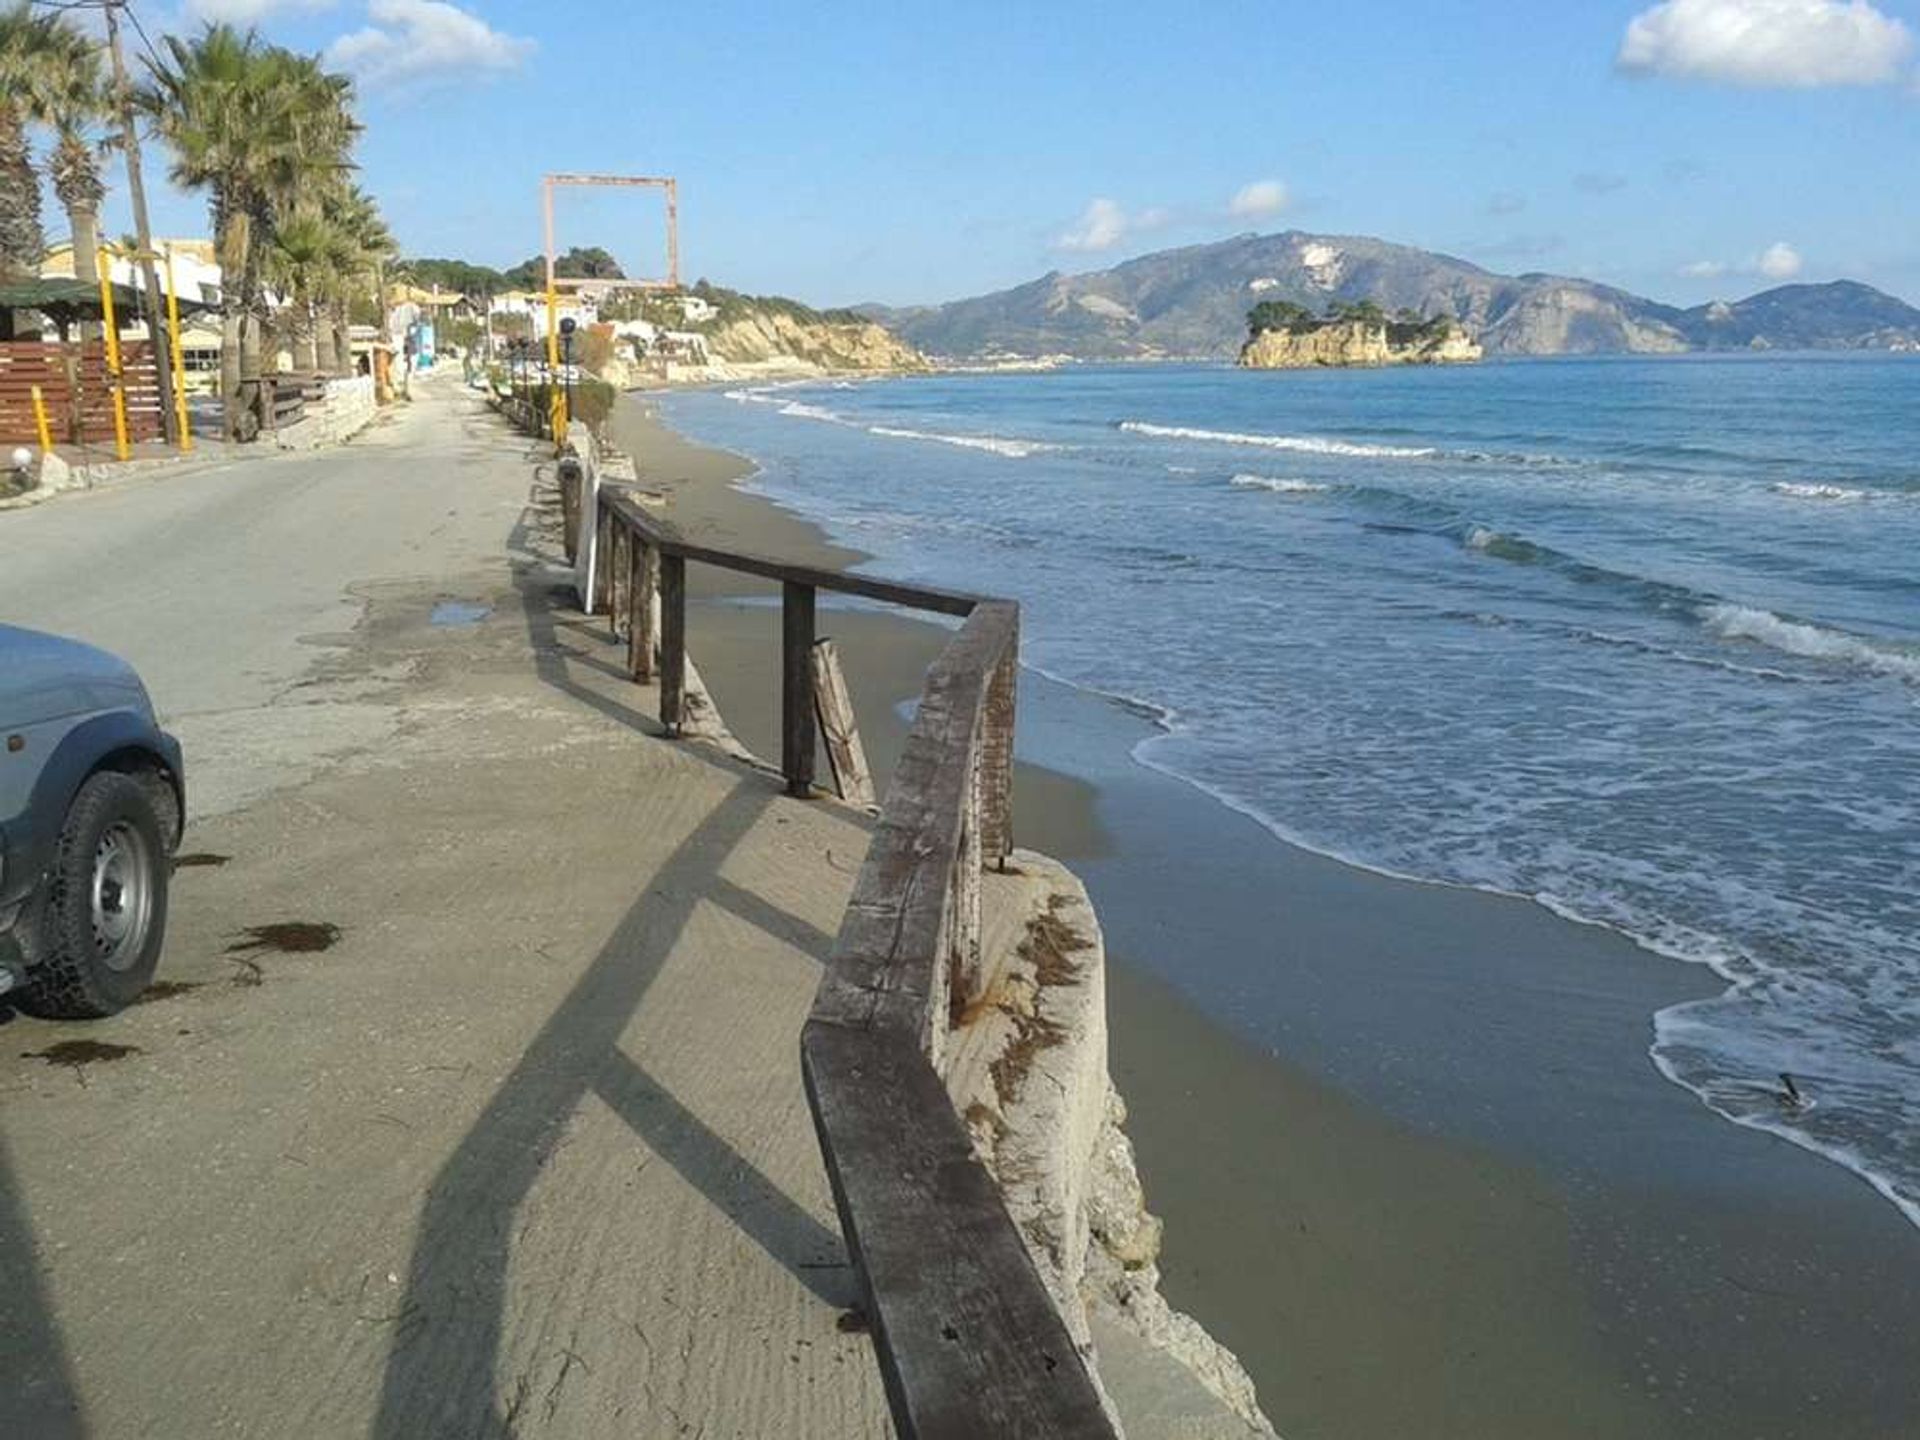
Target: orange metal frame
(554,283)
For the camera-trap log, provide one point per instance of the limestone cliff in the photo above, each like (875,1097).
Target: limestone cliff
(1356,342)
(759,336)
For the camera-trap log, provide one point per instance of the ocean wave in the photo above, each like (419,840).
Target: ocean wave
(1280,486)
(1815,642)
(992,444)
(1517,549)
(1303,444)
(1800,491)
(802,411)
(755,394)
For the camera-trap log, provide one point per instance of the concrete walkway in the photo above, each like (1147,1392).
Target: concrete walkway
(516,1144)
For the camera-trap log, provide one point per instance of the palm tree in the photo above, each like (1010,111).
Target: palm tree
(369,251)
(24,37)
(71,97)
(262,131)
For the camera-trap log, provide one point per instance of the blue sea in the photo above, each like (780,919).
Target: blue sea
(1638,639)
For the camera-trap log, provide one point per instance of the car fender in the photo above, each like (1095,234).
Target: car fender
(32,835)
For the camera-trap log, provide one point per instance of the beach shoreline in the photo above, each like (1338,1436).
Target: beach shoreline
(1450,1194)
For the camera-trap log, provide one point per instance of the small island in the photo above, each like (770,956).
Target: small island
(1285,336)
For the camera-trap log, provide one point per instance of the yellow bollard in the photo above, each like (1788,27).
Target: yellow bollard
(40,420)
(179,363)
(114,378)
(556,393)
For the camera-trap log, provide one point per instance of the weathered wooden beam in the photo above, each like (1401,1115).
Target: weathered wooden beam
(602,553)
(619,576)
(890,965)
(967,975)
(673,643)
(570,482)
(833,708)
(893,592)
(996,749)
(967,1337)
(642,586)
(796,687)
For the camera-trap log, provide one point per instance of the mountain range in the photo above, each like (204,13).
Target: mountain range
(1193,302)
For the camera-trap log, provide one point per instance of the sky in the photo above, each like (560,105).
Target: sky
(842,152)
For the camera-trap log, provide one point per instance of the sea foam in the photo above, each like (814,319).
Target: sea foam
(1302,444)
(992,444)
(1816,642)
(1280,486)
(1800,491)
(802,411)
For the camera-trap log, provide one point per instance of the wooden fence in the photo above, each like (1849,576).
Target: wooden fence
(968,1340)
(77,392)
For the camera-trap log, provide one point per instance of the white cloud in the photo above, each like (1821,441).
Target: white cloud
(1258,198)
(1100,228)
(1779,261)
(1785,43)
(409,39)
(1104,225)
(246,12)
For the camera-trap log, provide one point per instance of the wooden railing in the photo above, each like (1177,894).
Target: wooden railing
(76,392)
(286,400)
(968,1340)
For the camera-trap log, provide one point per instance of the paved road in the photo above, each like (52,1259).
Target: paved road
(218,585)
(469,1104)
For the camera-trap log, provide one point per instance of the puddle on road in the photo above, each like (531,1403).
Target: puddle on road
(76,1053)
(290,937)
(459,612)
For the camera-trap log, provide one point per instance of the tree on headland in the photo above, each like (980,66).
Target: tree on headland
(1280,315)
(1362,312)
(590,263)
(476,282)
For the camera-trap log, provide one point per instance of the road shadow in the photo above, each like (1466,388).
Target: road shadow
(37,1393)
(441,1370)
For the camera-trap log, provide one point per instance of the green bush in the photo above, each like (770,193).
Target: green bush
(592,402)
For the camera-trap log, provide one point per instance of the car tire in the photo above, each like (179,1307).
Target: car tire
(103,917)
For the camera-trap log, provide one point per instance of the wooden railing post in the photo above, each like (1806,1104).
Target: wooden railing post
(796,687)
(603,528)
(570,507)
(967,978)
(833,709)
(641,583)
(619,577)
(996,758)
(673,642)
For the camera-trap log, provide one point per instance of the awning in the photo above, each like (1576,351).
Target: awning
(64,301)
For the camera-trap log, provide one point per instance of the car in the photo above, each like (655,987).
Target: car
(92,803)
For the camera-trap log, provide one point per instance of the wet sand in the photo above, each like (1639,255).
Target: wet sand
(1416,1168)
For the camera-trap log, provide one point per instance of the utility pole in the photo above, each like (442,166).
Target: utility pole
(143,232)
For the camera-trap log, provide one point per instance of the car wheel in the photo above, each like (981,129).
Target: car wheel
(104,916)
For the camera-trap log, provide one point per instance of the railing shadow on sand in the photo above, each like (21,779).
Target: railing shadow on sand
(968,1341)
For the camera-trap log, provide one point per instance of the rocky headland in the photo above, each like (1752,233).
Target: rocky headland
(1358,343)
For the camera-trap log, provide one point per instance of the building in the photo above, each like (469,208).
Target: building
(196,273)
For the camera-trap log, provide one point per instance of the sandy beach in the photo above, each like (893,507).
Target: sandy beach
(1448,1195)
